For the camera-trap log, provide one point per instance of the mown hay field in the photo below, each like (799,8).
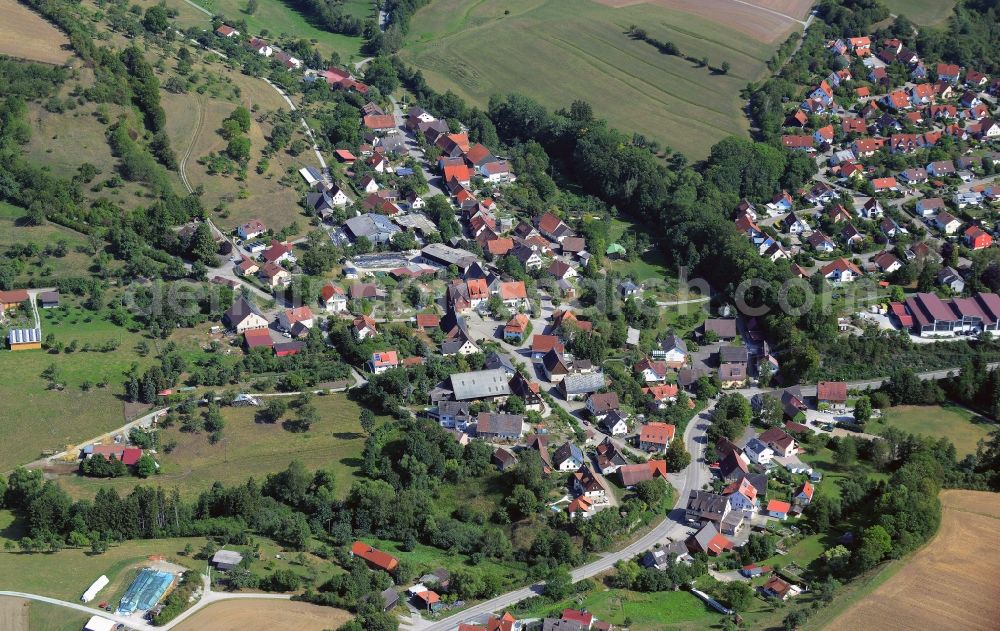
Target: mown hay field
(578,49)
(26,35)
(952,583)
(276,615)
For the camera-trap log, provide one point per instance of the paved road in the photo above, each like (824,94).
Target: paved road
(133,622)
(414,151)
(673,526)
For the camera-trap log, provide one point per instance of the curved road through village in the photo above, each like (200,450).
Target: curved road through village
(672,527)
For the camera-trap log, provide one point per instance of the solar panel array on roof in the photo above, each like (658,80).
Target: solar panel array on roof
(24,336)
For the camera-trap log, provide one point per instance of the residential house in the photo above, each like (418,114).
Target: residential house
(779,441)
(804,495)
(758,452)
(950,278)
(820,242)
(588,485)
(930,206)
(650,371)
(568,457)
(383,361)
(778,509)
(243,316)
(871,210)
(656,437)
(886,262)
(792,224)
(840,271)
(364,327)
(299,316)
(251,229)
(704,506)
(977,238)
(710,541)
(600,404)
(947,223)
(614,423)
(332,298)
(742,497)
(495,426)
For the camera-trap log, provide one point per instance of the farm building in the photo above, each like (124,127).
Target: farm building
(225,560)
(97,623)
(49,299)
(12,299)
(24,339)
(376,559)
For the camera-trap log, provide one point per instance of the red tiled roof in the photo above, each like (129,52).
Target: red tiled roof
(376,558)
(831,391)
(657,433)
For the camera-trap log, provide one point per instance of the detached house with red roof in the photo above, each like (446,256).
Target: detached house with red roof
(656,437)
(804,495)
(832,394)
(977,238)
(841,271)
(376,559)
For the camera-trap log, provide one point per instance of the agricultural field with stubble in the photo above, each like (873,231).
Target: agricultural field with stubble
(951,583)
(26,35)
(583,48)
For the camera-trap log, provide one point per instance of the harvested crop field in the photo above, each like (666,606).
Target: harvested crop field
(952,583)
(764,20)
(13,614)
(583,47)
(24,34)
(275,615)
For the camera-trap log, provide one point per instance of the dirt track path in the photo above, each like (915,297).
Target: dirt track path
(199,129)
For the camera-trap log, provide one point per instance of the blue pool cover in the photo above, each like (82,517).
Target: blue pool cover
(145,591)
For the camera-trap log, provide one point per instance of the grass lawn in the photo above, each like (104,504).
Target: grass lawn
(53,419)
(963,427)
(250,449)
(43,270)
(67,573)
(483,48)
(922,12)
(280,19)
(647,611)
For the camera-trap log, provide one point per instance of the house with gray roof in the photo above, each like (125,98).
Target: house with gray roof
(568,457)
(373,226)
(500,426)
(576,386)
(703,506)
(479,384)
